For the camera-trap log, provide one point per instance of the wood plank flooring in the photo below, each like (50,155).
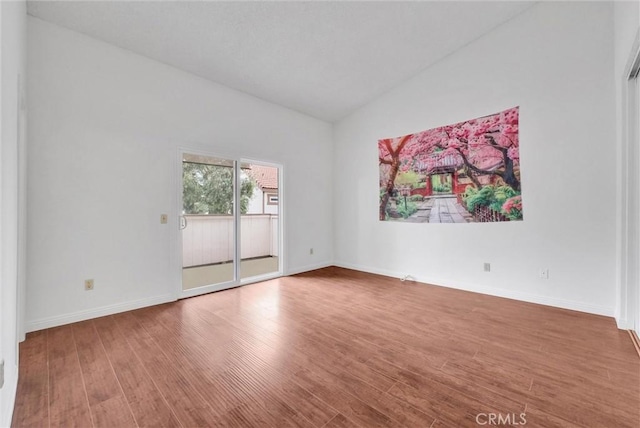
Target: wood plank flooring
(332,348)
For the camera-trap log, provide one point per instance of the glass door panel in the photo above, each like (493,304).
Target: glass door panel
(259,220)
(207,223)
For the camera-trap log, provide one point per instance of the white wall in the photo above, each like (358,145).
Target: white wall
(13,36)
(556,62)
(104,128)
(627,24)
(256,203)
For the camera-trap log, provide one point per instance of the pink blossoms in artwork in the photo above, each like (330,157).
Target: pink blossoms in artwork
(453,162)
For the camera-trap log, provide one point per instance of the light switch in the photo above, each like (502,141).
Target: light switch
(164,218)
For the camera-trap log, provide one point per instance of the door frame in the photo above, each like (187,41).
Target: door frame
(176,261)
(628,209)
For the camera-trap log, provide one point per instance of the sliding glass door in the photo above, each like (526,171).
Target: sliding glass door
(230,222)
(207,223)
(259,221)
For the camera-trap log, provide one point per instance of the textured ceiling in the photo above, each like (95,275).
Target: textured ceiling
(324,59)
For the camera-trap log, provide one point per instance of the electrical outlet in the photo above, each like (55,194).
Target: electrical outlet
(487,267)
(88,284)
(311,251)
(544,273)
(164,218)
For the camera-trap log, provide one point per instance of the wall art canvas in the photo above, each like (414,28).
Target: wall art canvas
(462,173)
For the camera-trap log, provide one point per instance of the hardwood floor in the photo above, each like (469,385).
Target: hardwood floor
(332,348)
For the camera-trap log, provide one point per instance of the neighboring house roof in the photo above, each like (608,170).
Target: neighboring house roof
(265,176)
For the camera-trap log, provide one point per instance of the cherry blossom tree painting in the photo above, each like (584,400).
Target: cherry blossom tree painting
(461,173)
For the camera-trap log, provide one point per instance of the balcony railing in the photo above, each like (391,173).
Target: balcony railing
(208,239)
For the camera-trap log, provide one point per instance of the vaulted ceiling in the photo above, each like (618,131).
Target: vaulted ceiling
(324,59)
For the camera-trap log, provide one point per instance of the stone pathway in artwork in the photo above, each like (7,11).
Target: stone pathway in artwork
(441,209)
(448,210)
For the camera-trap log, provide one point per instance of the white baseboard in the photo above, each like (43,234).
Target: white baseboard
(58,320)
(8,406)
(491,291)
(309,268)
(42,323)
